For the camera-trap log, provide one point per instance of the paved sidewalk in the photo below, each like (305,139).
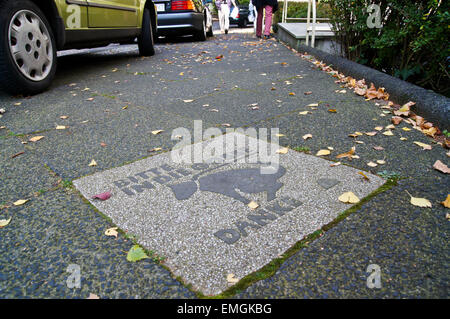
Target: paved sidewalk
(113,99)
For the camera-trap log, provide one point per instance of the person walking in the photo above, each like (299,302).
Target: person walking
(270,7)
(223,8)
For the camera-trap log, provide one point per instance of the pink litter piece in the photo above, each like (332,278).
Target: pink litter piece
(102,196)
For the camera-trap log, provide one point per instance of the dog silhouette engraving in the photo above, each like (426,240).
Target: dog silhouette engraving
(246,180)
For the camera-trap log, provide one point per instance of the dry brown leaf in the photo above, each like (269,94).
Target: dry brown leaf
(438,165)
(348,155)
(283,150)
(93,296)
(306,136)
(446,202)
(388,133)
(157,132)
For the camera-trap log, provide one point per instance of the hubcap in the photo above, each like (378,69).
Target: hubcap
(30,45)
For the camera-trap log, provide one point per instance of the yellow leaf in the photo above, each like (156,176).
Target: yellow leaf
(349,198)
(406,129)
(231,278)
(313,104)
(188,101)
(304,112)
(372,164)
(306,136)
(283,150)
(279,135)
(4,222)
(403,139)
(379,128)
(112,232)
(349,154)
(157,132)
(388,133)
(423,145)
(61,127)
(36,138)
(381,162)
(253,205)
(446,202)
(20,202)
(420,202)
(323,153)
(93,163)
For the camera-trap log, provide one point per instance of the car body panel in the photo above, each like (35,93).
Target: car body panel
(182,22)
(110,14)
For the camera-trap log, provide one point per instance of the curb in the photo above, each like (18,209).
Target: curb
(432,106)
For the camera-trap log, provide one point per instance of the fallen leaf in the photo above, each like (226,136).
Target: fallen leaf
(446,202)
(403,138)
(112,232)
(396,120)
(36,138)
(136,253)
(372,164)
(102,196)
(306,136)
(20,202)
(420,202)
(4,222)
(156,149)
(188,101)
(438,165)
(348,155)
(381,162)
(313,105)
(406,129)
(304,112)
(364,176)
(332,110)
(253,205)
(157,132)
(323,153)
(335,164)
(349,198)
(423,145)
(92,163)
(291,93)
(308,93)
(283,150)
(231,279)
(61,127)
(378,148)
(388,133)
(63,117)
(93,296)
(371,133)
(379,128)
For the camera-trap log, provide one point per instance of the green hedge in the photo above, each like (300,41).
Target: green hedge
(413,43)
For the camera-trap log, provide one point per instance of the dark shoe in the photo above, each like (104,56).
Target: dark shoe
(226,31)
(258,36)
(267,37)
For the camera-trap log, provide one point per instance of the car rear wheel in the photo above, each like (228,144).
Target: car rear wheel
(27,48)
(146,41)
(201,35)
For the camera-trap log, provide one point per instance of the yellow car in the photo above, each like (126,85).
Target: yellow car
(32,31)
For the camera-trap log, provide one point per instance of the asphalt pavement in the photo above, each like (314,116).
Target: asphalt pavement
(110,100)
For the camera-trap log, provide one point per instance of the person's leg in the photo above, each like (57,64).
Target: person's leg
(268,20)
(221,20)
(259,21)
(226,9)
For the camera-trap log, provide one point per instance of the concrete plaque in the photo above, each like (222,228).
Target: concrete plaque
(198,216)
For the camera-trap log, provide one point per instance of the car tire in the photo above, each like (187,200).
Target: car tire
(201,34)
(27,48)
(146,41)
(243,24)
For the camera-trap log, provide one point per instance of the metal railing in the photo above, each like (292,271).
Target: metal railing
(310,28)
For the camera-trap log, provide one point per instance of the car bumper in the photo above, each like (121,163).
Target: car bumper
(179,23)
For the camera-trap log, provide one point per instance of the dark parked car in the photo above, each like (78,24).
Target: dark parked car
(242,18)
(184,17)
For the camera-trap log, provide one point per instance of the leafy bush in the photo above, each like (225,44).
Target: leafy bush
(412,44)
